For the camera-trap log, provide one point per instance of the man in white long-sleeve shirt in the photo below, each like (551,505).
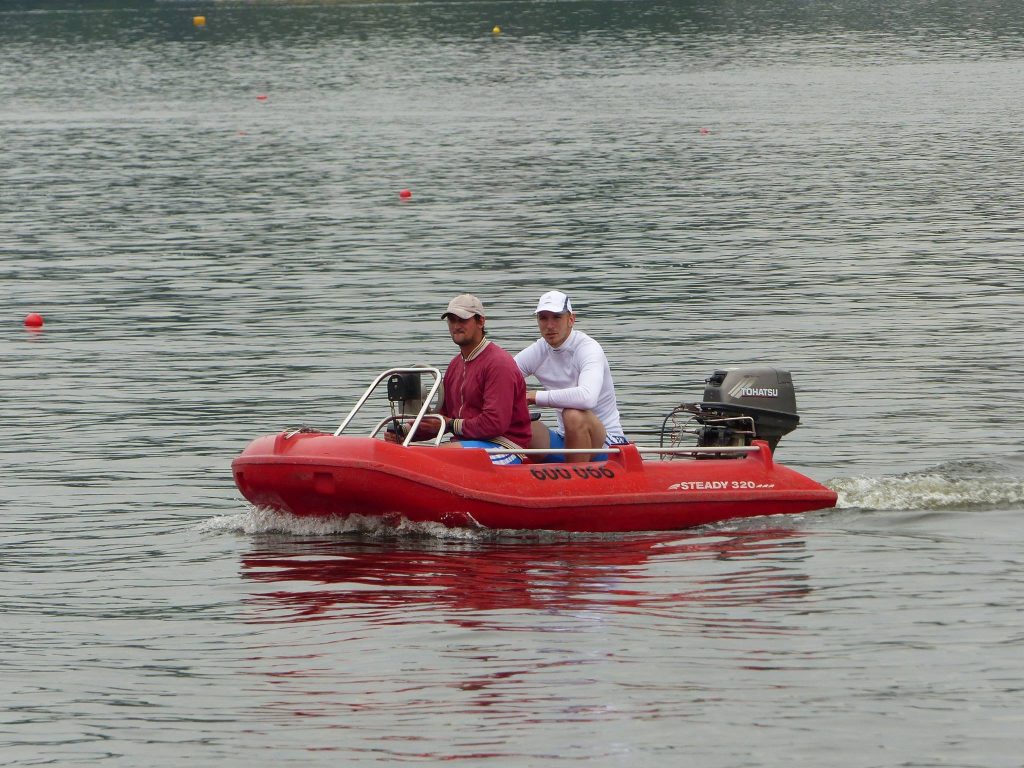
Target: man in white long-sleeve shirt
(577,382)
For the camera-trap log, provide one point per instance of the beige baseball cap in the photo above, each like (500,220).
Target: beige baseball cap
(464,306)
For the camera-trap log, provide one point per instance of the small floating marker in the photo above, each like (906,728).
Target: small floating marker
(705,131)
(496,30)
(261,97)
(405,194)
(33,320)
(198,21)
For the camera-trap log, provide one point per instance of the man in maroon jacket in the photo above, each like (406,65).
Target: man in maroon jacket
(484,392)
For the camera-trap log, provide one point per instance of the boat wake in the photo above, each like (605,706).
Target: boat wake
(263,520)
(958,485)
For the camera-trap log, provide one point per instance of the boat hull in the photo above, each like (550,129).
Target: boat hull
(321,475)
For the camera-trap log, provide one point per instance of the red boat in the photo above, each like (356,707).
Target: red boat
(731,473)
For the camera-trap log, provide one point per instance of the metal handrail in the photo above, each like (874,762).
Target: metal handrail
(696,450)
(673,450)
(423,408)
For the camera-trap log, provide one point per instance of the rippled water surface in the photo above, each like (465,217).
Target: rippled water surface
(208,219)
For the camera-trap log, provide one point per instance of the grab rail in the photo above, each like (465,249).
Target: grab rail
(691,451)
(419,416)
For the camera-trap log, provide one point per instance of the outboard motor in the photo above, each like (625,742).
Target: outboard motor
(739,405)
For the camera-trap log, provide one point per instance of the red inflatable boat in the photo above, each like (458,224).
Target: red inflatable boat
(731,475)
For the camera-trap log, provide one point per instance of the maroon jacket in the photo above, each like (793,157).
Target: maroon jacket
(485,397)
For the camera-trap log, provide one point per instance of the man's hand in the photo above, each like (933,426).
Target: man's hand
(427,430)
(396,432)
(531,398)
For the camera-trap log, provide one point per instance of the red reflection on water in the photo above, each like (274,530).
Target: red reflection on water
(338,577)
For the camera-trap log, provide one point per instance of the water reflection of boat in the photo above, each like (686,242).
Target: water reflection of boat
(731,473)
(331,578)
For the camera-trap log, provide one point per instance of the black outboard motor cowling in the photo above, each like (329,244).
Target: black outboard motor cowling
(739,405)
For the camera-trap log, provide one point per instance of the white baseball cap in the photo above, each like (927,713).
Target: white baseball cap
(554,301)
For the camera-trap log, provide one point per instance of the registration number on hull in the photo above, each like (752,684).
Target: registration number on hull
(563,473)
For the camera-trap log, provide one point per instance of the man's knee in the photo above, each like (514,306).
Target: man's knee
(583,423)
(575,420)
(541,437)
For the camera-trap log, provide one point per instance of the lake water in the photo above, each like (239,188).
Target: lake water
(208,219)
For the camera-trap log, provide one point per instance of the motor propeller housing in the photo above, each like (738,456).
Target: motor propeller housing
(739,405)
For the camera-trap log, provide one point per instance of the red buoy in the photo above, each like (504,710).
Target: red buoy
(405,194)
(261,97)
(33,320)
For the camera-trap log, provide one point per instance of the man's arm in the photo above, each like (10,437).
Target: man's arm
(585,394)
(529,359)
